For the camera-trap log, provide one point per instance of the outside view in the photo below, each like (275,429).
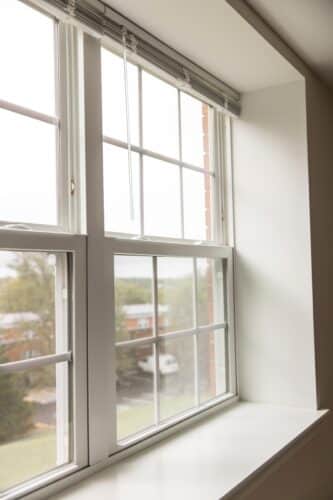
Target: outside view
(177,367)
(33,420)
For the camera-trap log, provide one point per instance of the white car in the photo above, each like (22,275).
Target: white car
(168,364)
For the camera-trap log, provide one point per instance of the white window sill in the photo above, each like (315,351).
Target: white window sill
(213,456)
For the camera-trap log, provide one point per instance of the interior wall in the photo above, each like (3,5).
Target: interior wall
(273,281)
(320,140)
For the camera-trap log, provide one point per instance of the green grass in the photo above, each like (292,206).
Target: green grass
(25,458)
(35,454)
(139,417)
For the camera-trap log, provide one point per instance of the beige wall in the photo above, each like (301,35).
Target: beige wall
(273,279)
(320,150)
(305,472)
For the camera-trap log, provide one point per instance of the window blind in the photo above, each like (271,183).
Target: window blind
(105,21)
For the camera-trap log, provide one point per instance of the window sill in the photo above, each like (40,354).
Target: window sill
(213,456)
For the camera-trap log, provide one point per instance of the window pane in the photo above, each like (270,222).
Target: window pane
(175,293)
(27,56)
(212,364)
(33,307)
(161,198)
(176,367)
(195,131)
(210,291)
(135,396)
(118,216)
(113,98)
(160,116)
(133,297)
(28,170)
(34,423)
(198,204)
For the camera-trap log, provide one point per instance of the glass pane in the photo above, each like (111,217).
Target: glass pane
(212,364)
(135,390)
(195,131)
(198,203)
(176,367)
(160,116)
(34,423)
(113,98)
(28,60)
(161,198)
(33,307)
(133,297)
(118,215)
(175,293)
(210,291)
(28,183)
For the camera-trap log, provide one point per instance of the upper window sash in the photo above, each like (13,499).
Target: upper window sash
(150,183)
(37,120)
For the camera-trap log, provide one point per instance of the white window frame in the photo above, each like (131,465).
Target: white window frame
(121,247)
(20,236)
(75,355)
(92,254)
(101,312)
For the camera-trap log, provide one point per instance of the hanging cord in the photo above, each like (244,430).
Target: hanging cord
(128,126)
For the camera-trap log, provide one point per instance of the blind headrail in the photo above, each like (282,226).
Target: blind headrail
(103,20)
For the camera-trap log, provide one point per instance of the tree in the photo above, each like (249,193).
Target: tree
(30,287)
(15,413)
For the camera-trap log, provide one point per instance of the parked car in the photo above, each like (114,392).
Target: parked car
(167,363)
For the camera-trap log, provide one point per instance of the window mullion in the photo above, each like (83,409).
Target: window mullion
(63,132)
(229,311)
(156,345)
(141,174)
(195,336)
(101,365)
(181,188)
(216,145)
(17,366)
(29,113)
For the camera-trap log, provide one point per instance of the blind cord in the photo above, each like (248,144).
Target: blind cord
(128,126)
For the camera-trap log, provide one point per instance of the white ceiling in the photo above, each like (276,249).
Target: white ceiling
(307,27)
(214,36)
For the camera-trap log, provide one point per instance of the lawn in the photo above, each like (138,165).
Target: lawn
(25,458)
(22,459)
(141,415)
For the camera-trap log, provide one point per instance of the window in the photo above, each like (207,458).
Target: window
(162,233)
(34,357)
(37,145)
(157,157)
(177,364)
(43,431)
(115,273)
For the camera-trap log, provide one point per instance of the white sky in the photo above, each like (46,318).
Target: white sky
(168,267)
(28,147)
